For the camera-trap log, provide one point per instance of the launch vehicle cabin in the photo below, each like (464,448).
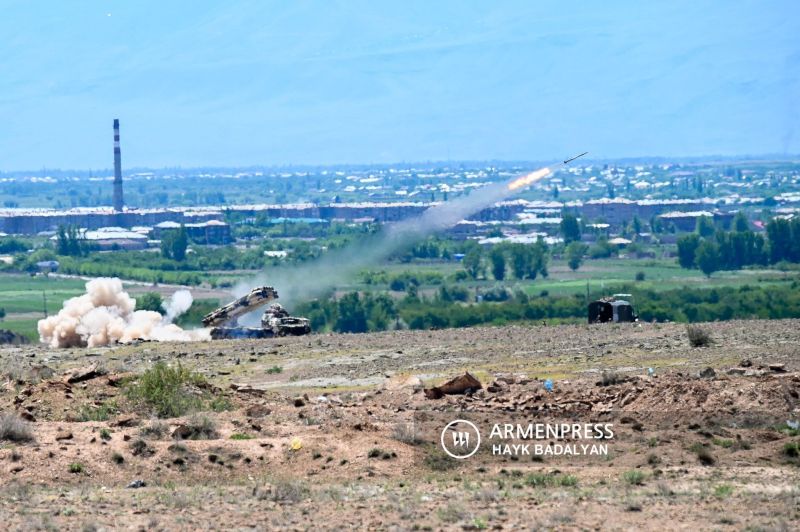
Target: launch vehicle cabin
(611,310)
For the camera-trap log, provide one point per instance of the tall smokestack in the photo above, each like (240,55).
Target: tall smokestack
(118,203)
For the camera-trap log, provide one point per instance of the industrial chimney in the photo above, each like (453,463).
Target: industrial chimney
(118,203)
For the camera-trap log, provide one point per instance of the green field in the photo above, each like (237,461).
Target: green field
(23,296)
(600,274)
(25,327)
(23,293)
(659,274)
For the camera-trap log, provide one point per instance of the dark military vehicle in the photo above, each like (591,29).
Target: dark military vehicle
(275,321)
(612,309)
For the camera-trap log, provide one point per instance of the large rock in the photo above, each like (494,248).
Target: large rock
(463,384)
(708,373)
(63,434)
(83,374)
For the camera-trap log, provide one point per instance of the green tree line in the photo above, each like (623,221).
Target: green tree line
(522,261)
(711,250)
(355,312)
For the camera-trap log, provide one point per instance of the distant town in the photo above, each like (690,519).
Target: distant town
(665,198)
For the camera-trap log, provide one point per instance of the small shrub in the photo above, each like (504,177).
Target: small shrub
(275,369)
(452,513)
(139,447)
(791,449)
(240,436)
(406,433)
(610,378)
(104,412)
(633,477)
(568,481)
(706,458)
(154,431)
(14,428)
(105,434)
(76,467)
(436,460)
(664,490)
(540,480)
(698,336)
(640,276)
(291,491)
(564,517)
(703,454)
(725,444)
(178,448)
(374,453)
(487,494)
(537,480)
(198,428)
(723,490)
(166,390)
(479,523)
(788,430)
(117,458)
(220,404)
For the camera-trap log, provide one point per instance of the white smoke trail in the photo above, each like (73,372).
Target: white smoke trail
(106,314)
(179,303)
(312,280)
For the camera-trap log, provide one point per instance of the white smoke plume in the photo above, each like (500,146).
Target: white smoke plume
(312,280)
(106,314)
(179,303)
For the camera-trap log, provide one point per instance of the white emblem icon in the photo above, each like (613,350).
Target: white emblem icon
(460,439)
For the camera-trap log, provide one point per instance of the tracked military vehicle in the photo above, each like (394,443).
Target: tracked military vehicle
(275,321)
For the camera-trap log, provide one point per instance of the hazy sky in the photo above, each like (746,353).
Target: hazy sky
(239,82)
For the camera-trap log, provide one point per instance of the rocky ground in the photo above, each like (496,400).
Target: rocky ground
(335,431)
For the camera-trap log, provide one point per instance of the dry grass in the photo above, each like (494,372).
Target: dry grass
(284,491)
(698,336)
(407,433)
(14,428)
(200,428)
(611,378)
(156,430)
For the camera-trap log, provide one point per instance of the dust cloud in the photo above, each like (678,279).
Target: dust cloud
(106,314)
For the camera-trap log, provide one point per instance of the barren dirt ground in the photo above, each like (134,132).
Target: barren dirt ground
(331,432)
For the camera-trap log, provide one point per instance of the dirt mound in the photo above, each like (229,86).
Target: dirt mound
(668,397)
